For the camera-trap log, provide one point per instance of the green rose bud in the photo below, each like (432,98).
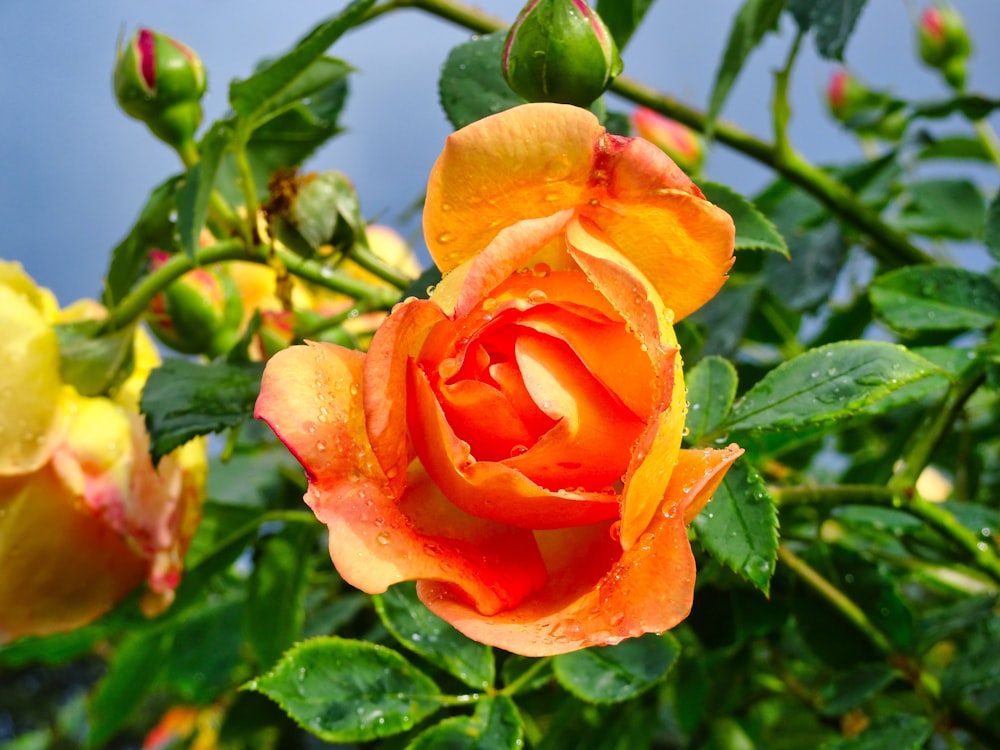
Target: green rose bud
(160,81)
(944,43)
(560,51)
(199,313)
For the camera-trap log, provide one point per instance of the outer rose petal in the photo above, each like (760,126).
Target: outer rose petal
(598,595)
(376,538)
(30,385)
(65,576)
(558,157)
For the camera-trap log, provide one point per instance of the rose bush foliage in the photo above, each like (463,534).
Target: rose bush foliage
(513,442)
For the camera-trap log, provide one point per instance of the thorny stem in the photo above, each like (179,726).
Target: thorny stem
(981,552)
(135,303)
(926,685)
(890,246)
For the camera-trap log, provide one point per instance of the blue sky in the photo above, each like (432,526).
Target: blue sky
(74,170)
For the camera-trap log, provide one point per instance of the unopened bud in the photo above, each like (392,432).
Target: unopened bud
(560,51)
(199,313)
(943,42)
(677,141)
(161,82)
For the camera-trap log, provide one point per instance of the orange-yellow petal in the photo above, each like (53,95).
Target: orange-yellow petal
(376,537)
(597,594)
(525,163)
(62,566)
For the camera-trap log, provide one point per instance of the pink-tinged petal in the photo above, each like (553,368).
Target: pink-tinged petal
(488,489)
(376,537)
(597,594)
(682,243)
(309,396)
(525,163)
(62,566)
(398,339)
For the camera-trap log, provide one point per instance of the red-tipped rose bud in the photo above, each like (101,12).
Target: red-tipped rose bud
(677,141)
(160,81)
(867,112)
(944,43)
(200,313)
(560,51)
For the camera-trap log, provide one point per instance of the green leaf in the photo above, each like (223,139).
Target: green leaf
(975,667)
(349,691)
(991,234)
(854,687)
(196,190)
(935,298)
(739,526)
(828,384)
(278,587)
(753,20)
(207,642)
(153,228)
(898,731)
(426,634)
(833,21)
(806,280)
(952,147)
(711,391)
(944,208)
(271,88)
(972,106)
(130,677)
(622,17)
(495,724)
(183,399)
(754,231)
(725,317)
(94,364)
(613,674)
(944,622)
(472,85)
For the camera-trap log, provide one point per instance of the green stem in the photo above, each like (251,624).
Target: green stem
(526,676)
(375,298)
(248,186)
(935,429)
(134,304)
(939,518)
(781,110)
(835,597)
(371,262)
(889,245)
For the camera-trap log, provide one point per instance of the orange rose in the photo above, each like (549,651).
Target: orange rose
(513,443)
(84,516)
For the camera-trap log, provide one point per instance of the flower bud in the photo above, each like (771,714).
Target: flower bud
(866,112)
(160,81)
(943,42)
(199,313)
(677,141)
(560,51)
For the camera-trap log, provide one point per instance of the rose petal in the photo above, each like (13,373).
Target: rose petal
(30,385)
(683,244)
(485,488)
(525,163)
(377,539)
(66,576)
(397,339)
(632,295)
(598,594)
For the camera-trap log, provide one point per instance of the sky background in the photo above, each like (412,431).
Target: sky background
(75,171)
